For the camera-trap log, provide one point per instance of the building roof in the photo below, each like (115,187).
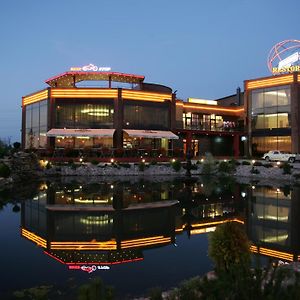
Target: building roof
(69,79)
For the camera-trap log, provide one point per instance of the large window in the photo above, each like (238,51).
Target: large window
(270,121)
(36,125)
(146,115)
(263,144)
(84,114)
(270,108)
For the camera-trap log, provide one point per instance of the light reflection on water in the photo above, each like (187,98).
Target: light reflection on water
(137,234)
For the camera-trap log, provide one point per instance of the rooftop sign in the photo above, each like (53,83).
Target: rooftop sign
(90,68)
(284,57)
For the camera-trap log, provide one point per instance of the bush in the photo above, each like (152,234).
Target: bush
(258,164)
(176,165)
(268,165)
(246,163)
(125,165)
(48,166)
(142,166)
(4,170)
(155,294)
(94,162)
(194,167)
(226,167)
(297,176)
(153,163)
(254,171)
(286,168)
(209,166)
(70,161)
(229,245)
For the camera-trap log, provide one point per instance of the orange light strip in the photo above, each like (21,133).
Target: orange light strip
(145,242)
(34,238)
(213,108)
(217,223)
(298,78)
(84,93)
(272,253)
(269,82)
(35,97)
(110,245)
(137,95)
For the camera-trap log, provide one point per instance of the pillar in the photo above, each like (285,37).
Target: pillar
(236,145)
(118,120)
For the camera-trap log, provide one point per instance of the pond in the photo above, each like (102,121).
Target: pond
(137,233)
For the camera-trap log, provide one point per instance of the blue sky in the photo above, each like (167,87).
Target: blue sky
(200,48)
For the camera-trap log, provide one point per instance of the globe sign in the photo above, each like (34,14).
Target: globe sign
(284,57)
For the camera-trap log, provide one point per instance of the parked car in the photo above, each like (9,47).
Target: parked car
(277,155)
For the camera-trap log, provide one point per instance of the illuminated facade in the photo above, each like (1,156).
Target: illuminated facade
(272,105)
(121,111)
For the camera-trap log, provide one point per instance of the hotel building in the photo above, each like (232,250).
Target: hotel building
(272,109)
(110,111)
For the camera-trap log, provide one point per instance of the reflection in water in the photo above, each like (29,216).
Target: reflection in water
(114,222)
(90,226)
(273,222)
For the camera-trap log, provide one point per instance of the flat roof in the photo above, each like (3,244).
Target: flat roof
(67,79)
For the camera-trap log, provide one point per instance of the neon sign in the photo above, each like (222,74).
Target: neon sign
(90,68)
(284,57)
(88,268)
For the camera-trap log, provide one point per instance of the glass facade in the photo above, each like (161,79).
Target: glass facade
(270,216)
(84,114)
(270,109)
(146,115)
(263,144)
(36,116)
(209,122)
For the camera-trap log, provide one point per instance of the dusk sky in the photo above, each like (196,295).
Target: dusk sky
(203,49)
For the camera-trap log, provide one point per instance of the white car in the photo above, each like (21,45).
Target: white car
(277,155)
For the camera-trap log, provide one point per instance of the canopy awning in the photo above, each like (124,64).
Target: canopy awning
(152,134)
(81,132)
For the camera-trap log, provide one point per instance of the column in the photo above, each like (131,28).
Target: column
(118,120)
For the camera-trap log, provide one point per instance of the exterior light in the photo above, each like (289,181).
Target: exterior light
(80,159)
(173,160)
(225,160)
(278,163)
(143,160)
(243,194)
(243,138)
(253,161)
(112,160)
(111,186)
(253,187)
(202,159)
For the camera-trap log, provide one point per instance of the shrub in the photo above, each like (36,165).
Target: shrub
(70,161)
(73,166)
(194,167)
(268,165)
(155,294)
(142,166)
(176,165)
(258,164)
(229,245)
(209,166)
(48,166)
(94,162)
(254,171)
(190,289)
(4,170)
(226,167)
(246,163)
(286,167)
(153,163)
(125,165)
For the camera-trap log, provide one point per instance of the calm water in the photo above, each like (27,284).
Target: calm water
(135,234)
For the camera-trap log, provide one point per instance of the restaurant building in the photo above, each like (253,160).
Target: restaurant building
(110,111)
(272,108)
